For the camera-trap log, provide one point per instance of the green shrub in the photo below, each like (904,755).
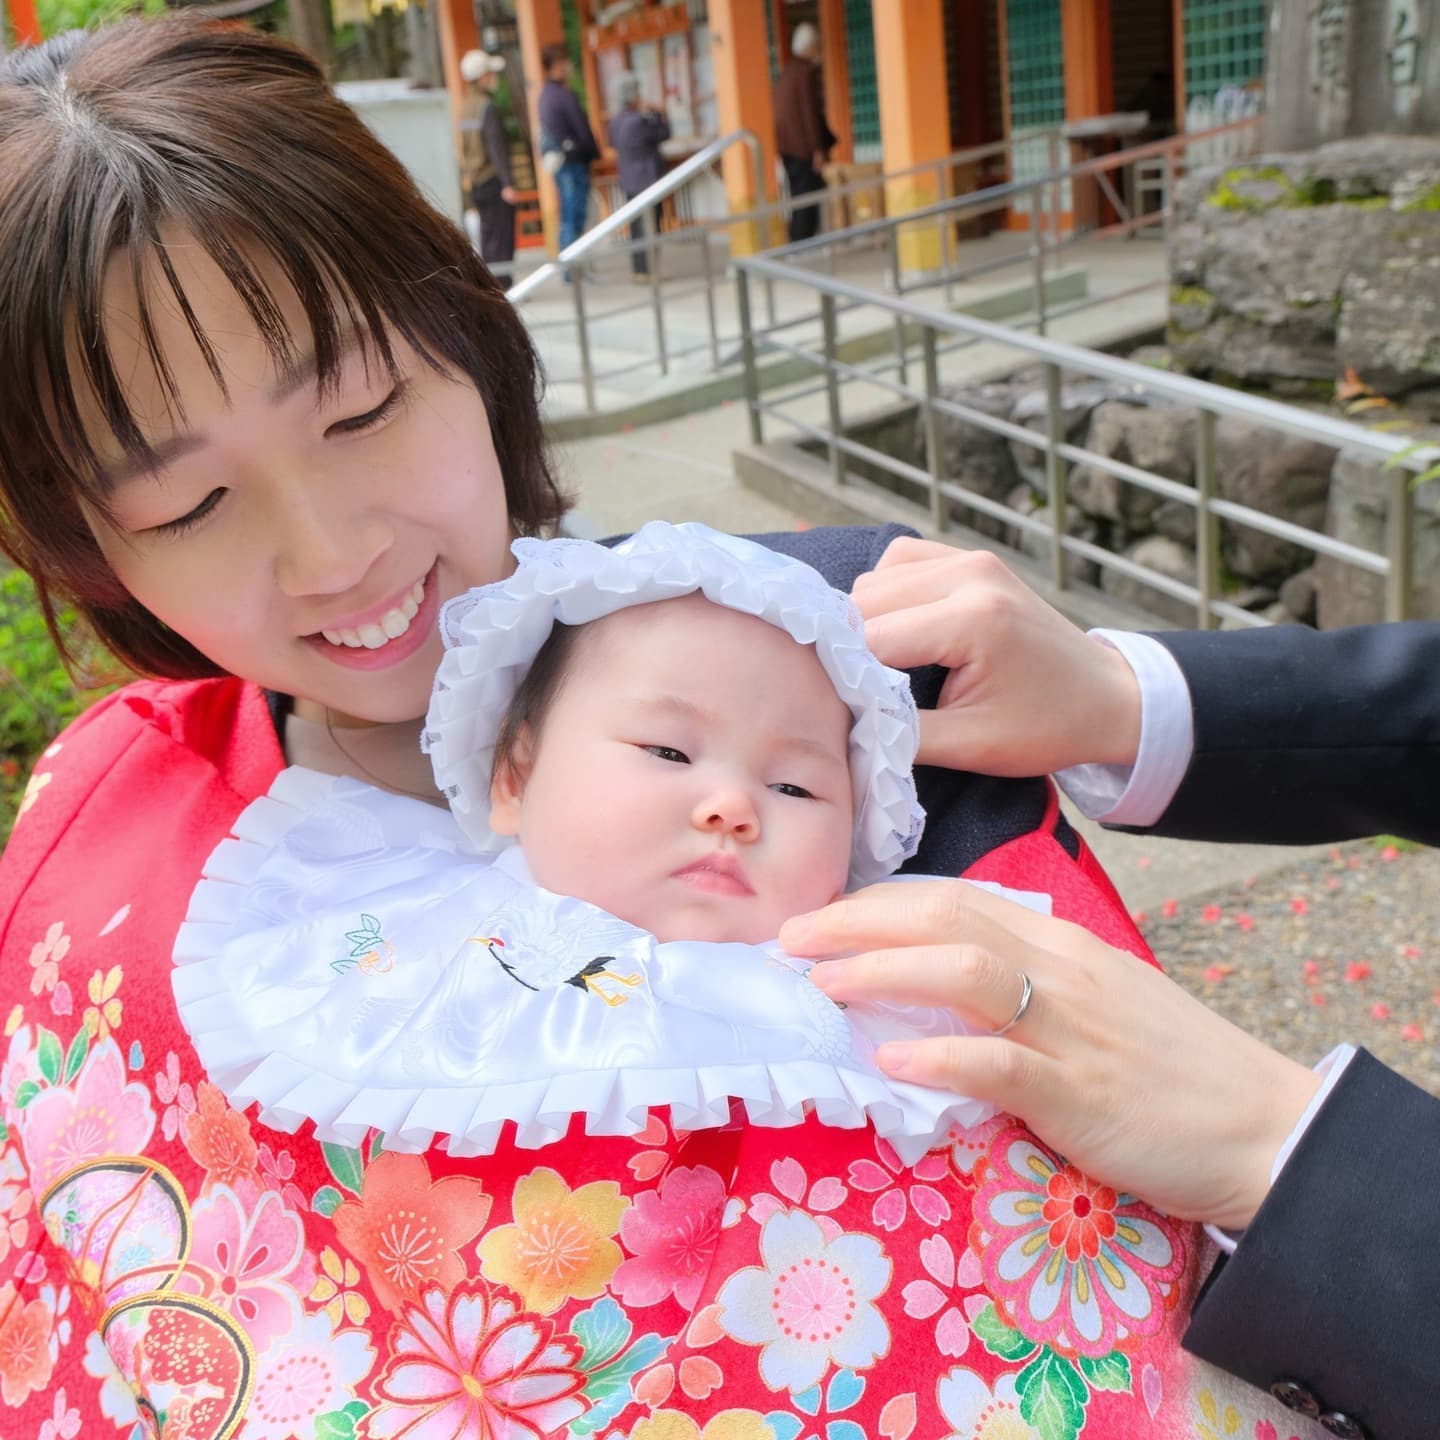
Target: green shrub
(38,695)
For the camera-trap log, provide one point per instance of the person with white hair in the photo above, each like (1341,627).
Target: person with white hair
(485,160)
(802,135)
(636,133)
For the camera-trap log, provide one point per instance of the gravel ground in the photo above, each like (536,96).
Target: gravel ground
(1340,946)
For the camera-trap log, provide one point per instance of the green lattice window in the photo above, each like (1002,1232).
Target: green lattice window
(864,88)
(1224,47)
(1036,63)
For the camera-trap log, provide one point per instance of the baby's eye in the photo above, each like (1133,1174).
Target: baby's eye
(667,752)
(798,792)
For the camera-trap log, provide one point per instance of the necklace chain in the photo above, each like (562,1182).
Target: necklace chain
(367,772)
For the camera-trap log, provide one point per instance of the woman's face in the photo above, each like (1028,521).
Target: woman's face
(302,542)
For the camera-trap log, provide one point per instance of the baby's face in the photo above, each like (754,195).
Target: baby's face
(691,776)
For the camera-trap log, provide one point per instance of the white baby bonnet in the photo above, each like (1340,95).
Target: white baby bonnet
(492,635)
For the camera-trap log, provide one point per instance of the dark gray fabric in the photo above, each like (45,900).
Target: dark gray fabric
(565,124)
(637,136)
(1303,736)
(1335,1286)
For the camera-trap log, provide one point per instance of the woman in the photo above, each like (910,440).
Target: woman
(264,413)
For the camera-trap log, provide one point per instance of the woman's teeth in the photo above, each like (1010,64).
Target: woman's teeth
(390,626)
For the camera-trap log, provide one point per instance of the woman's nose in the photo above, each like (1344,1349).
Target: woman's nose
(321,549)
(728,810)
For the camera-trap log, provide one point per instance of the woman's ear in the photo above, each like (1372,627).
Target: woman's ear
(507,784)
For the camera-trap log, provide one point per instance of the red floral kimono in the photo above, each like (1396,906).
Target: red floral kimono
(169,1267)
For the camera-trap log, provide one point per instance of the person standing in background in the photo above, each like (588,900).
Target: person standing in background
(485,161)
(802,135)
(565,128)
(637,133)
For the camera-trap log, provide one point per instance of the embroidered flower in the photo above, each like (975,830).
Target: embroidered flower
(810,1304)
(45,958)
(177,1098)
(406,1232)
(277,1173)
(727,1425)
(249,1265)
(896,1188)
(102,1015)
(923,1298)
(976,1412)
(101,1115)
(967,1147)
(310,1372)
(473,1366)
(560,1247)
(1070,1263)
(671,1232)
(25,1359)
(219,1139)
(334,1291)
(16,1202)
(64,1423)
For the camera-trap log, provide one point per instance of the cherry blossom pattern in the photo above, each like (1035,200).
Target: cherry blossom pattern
(898,1188)
(977,1412)
(103,1013)
(219,1139)
(924,1298)
(45,958)
(671,1233)
(1071,1263)
(311,1372)
(177,1096)
(968,1146)
(474,1365)
(64,1422)
(810,1304)
(26,1360)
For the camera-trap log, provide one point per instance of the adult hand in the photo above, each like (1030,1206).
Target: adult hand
(508,194)
(1028,693)
(819,160)
(1113,1064)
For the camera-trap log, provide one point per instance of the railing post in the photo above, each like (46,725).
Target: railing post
(747,352)
(1037,257)
(1207,525)
(652,261)
(582,335)
(934,441)
(708,268)
(1167,205)
(832,387)
(1399,547)
(1056,196)
(1056,475)
(902,364)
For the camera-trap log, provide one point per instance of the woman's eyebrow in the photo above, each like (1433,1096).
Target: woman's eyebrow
(304,371)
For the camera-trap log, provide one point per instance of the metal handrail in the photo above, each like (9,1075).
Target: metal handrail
(1400,455)
(641,205)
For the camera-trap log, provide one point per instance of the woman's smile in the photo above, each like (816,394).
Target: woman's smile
(385,634)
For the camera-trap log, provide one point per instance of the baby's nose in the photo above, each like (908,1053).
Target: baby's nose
(728,810)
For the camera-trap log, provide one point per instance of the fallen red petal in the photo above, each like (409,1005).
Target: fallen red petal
(1300,905)
(1140,917)
(1211,913)
(1389,853)
(1317,997)
(1357,970)
(1411,1032)
(1380,1010)
(1170,909)
(1245,922)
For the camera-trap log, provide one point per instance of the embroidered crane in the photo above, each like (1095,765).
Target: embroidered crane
(549,972)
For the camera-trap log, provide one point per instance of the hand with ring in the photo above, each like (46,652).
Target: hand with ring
(1106,1059)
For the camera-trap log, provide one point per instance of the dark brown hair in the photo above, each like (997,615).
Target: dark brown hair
(552,54)
(534,696)
(235,138)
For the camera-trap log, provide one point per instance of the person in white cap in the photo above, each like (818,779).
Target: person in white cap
(485,160)
(802,134)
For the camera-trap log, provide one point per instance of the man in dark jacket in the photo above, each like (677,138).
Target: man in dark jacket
(565,129)
(802,135)
(636,135)
(485,161)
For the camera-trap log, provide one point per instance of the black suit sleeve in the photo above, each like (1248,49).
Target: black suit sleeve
(1303,736)
(1335,1286)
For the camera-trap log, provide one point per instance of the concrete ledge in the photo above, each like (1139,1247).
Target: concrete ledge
(802,482)
(1061,287)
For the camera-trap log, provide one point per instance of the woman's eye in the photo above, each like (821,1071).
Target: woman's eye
(798,792)
(358,424)
(191,517)
(667,752)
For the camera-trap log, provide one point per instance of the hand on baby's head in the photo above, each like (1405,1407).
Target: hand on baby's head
(683,766)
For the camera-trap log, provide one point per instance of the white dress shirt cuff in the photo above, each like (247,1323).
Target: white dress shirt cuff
(1330,1069)
(1140,794)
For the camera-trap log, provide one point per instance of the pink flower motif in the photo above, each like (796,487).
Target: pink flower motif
(178,1099)
(45,958)
(62,1002)
(671,1233)
(968,1147)
(100,1116)
(473,1366)
(924,1298)
(1071,1264)
(898,1188)
(65,1423)
(276,1172)
(250,1266)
